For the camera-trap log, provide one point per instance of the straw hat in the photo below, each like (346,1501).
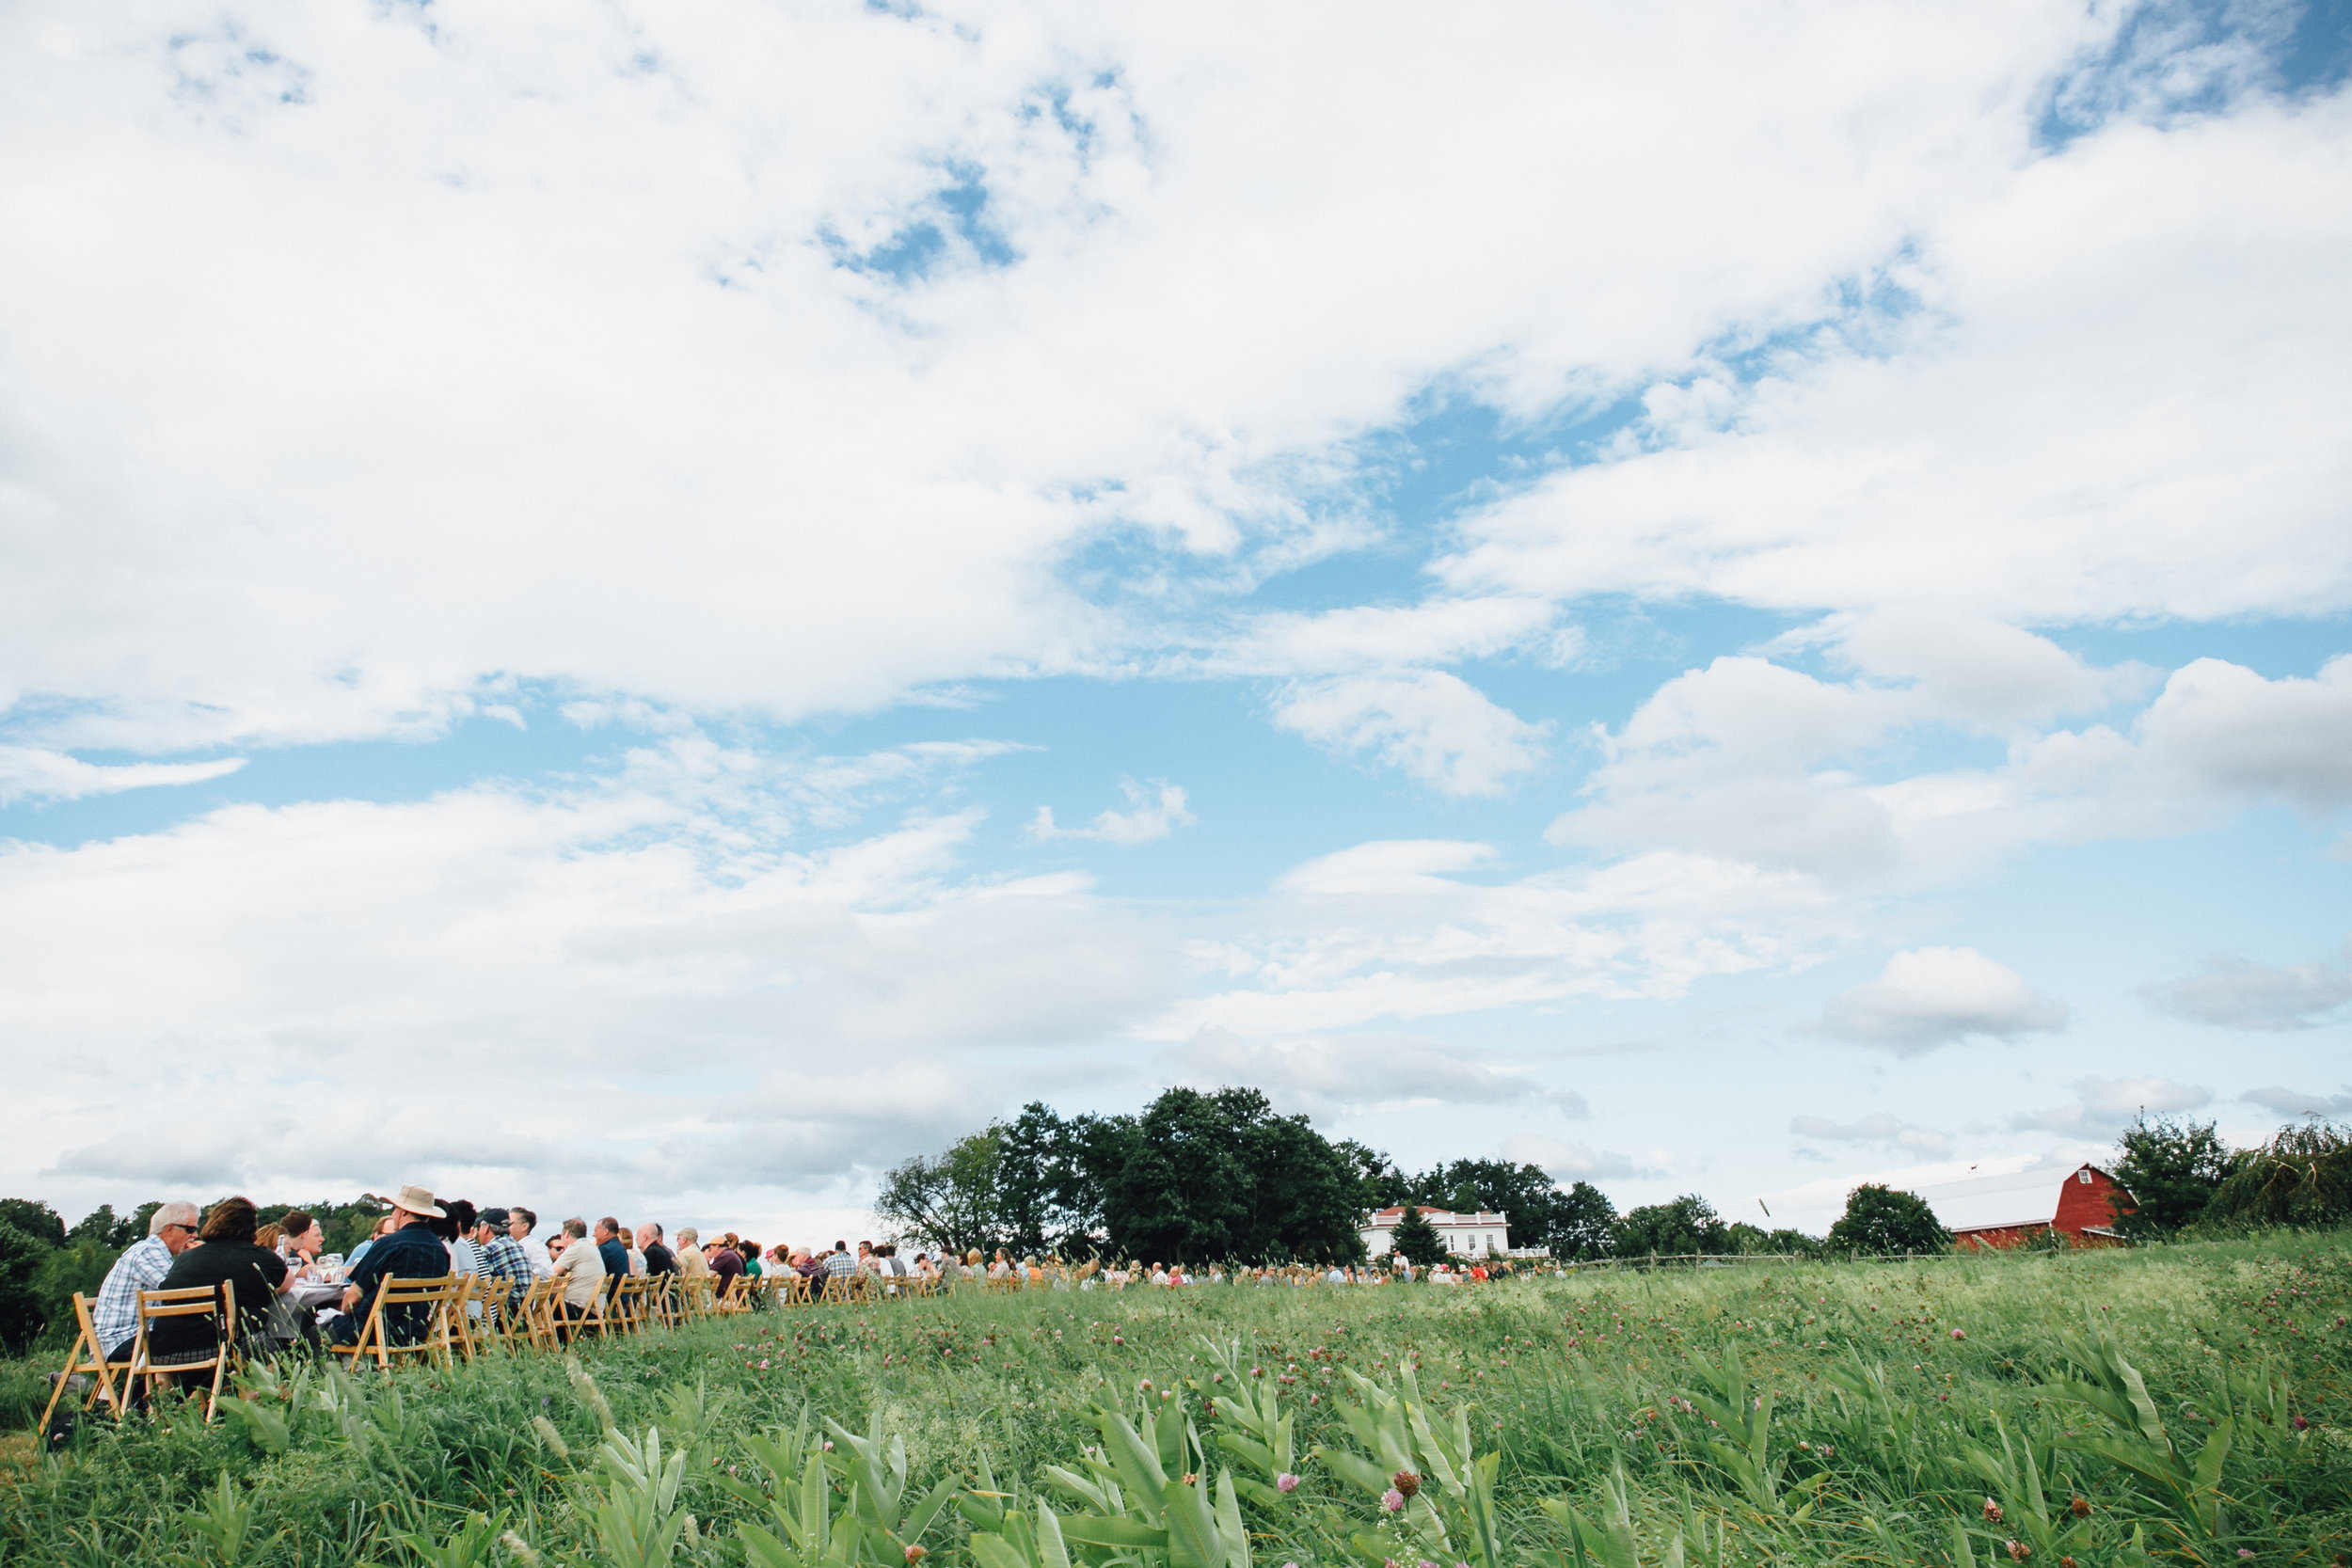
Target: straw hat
(418,1201)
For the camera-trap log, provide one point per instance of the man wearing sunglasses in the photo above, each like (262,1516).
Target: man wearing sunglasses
(170,1232)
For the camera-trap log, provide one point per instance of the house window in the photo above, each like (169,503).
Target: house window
(2083,1177)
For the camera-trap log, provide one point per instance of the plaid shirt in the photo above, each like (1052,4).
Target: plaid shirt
(505,1258)
(117,1314)
(839,1264)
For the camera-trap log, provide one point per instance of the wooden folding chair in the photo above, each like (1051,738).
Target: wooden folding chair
(431,1296)
(535,1317)
(88,1356)
(633,1303)
(792,1289)
(215,1302)
(458,1326)
(735,1298)
(698,1295)
(501,1310)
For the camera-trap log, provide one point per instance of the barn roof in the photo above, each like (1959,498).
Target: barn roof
(1991,1202)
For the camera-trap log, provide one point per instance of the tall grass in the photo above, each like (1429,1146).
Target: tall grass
(2179,1403)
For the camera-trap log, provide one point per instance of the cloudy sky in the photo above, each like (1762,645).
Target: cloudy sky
(650,608)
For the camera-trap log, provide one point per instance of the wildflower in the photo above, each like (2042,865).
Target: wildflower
(2079,1508)
(2019,1551)
(916,1554)
(1991,1511)
(1286,1482)
(1960,1334)
(1392,1502)
(1314,1399)
(1406,1481)
(2302,1425)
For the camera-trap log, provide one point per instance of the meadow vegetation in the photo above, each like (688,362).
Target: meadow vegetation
(2182,1403)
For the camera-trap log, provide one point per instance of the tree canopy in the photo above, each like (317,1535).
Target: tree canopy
(2171,1169)
(1882,1221)
(1686,1227)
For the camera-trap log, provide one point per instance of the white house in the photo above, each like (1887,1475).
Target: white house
(1465,1235)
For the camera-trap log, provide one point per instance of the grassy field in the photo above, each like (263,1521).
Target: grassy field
(1867,1413)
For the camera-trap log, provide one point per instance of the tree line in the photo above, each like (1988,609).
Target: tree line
(1198,1176)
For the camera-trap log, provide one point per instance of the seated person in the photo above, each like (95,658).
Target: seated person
(405,1249)
(230,1250)
(170,1232)
(691,1261)
(580,1267)
(725,1262)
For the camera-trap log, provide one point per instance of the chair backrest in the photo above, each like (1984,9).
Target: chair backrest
(409,1317)
(215,1302)
(537,1313)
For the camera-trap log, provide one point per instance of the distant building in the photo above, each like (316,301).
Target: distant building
(2002,1211)
(1466,1235)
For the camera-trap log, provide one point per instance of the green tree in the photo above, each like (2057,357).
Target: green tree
(948,1203)
(81,1265)
(21,1315)
(1880,1220)
(135,1229)
(1583,1224)
(1210,1176)
(36,1221)
(1378,1183)
(2171,1169)
(1689,1224)
(1416,1239)
(2301,1175)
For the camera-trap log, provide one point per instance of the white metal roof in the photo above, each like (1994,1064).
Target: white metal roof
(1983,1202)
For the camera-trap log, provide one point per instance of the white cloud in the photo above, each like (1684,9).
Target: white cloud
(34,773)
(2288,1103)
(1751,759)
(2104,1105)
(1350,1074)
(559,295)
(1150,818)
(1881,1128)
(1565,1161)
(2107,391)
(2238,993)
(1387,931)
(653,939)
(1432,726)
(1934,996)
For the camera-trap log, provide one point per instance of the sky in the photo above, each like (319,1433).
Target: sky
(651,609)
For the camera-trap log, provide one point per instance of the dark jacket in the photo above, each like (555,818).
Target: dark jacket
(412,1252)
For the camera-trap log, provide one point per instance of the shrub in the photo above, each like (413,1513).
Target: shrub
(2301,1176)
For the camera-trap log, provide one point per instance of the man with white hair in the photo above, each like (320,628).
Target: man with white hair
(169,1230)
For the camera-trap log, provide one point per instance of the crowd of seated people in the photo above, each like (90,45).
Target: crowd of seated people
(289,1288)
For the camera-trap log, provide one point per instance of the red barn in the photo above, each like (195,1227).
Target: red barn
(2002,1211)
